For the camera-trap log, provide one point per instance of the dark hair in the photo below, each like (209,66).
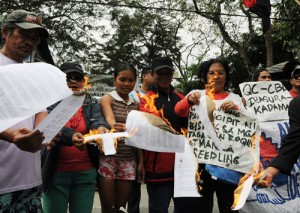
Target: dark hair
(257,73)
(124,66)
(204,68)
(9,27)
(145,70)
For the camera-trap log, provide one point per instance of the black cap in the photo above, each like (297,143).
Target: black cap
(162,62)
(26,20)
(71,67)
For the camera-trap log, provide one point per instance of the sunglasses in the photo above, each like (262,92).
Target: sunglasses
(296,76)
(74,79)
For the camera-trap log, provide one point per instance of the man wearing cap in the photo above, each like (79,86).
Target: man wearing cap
(159,166)
(19,146)
(295,82)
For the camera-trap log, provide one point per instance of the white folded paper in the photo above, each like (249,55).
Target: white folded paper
(56,120)
(27,89)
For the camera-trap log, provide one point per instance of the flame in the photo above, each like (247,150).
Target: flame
(210,86)
(112,130)
(86,85)
(198,179)
(150,105)
(184,131)
(91,132)
(97,141)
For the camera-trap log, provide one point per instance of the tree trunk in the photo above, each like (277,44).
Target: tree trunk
(269,47)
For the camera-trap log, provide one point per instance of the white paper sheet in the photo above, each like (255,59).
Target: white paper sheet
(56,120)
(27,89)
(108,141)
(184,173)
(143,135)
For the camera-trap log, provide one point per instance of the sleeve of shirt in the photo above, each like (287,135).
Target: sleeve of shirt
(289,151)
(182,108)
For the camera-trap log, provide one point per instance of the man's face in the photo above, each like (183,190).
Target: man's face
(20,43)
(163,78)
(148,78)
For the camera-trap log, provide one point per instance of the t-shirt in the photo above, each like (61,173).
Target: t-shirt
(136,94)
(121,110)
(293,94)
(18,169)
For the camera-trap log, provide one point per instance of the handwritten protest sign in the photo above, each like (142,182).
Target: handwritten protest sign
(269,100)
(235,129)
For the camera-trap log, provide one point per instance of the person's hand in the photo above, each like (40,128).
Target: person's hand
(53,142)
(27,140)
(271,172)
(194,98)
(244,101)
(102,130)
(119,127)
(141,173)
(77,140)
(228,105)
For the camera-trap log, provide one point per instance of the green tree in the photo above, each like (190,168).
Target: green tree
(71,26)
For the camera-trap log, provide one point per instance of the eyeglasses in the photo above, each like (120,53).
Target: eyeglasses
(74,79)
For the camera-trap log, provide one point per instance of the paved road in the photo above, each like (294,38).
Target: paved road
(143,204)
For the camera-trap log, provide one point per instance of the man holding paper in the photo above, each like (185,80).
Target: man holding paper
(19,145)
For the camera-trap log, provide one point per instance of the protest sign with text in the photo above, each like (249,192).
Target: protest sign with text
(236,131)
(269,100)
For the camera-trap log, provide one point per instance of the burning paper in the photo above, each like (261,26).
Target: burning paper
(147,131)
(106,142)
(27,89)
(242,192)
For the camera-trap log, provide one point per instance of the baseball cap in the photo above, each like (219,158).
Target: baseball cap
(162,62)
(71,67)
(26,20)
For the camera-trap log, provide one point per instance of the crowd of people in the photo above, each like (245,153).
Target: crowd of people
(64,172)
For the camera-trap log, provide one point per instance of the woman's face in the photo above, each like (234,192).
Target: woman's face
(216,77)
(75,81)
(125,82)
(264,76)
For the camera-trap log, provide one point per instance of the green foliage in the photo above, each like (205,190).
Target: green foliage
(287,30)
(70,26)
(140,37)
